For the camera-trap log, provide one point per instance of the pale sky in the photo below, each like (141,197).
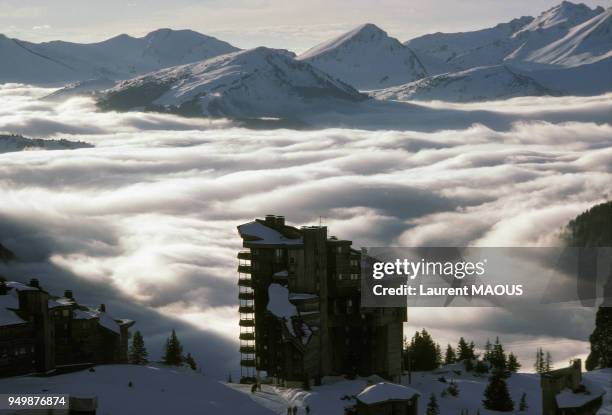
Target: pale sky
(290,24)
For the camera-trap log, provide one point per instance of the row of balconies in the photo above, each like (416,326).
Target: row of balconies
(246,255)
(246,309)
(247,362)
(246,296)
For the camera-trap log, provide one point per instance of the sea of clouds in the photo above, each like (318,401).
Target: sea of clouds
(146,221)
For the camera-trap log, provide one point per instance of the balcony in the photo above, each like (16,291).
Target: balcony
(247,349)
(247,362)
(247,336)
(245,282)
(246,309)
(244,255)
(246,296)
(244,269)
(247,322)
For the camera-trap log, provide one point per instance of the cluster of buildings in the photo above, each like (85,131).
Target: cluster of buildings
(300,308)
(45,334)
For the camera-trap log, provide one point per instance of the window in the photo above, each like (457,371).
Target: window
(65,313)
(278,254)
(354,262)
(354,276)
(339,249)
(292,260)
(340,276)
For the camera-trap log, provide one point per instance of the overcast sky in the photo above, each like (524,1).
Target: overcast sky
(294,25)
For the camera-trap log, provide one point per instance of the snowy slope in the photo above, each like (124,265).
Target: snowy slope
(552,26)
(366,58)
(585,43)
(338,393)
(255,83)
(478,84)
(156,390)
(526,39)
(120,57)
(467,49)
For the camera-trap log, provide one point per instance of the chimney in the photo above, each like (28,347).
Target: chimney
(34,283)
(102,308)
(270,221)
(280,221)
(68,294)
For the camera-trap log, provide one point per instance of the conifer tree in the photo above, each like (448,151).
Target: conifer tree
(601,340)
(173,352)
(488,349)
(191,361)
(539,362)
(498,356)
(523,404)
(138,354)
(513,364)
(432,406)
(548,366)
(463,350)
(423,351)
(449,357)
(497,397)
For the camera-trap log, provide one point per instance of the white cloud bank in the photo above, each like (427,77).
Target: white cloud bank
(152,210)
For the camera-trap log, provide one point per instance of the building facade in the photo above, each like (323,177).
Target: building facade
(40,333)
(300,312)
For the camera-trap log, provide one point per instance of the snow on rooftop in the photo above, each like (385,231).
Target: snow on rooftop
(279,305)
(60,302)
(20,287)
(266,235)
(568,399)
(8,317)
(384,391)
(281,274)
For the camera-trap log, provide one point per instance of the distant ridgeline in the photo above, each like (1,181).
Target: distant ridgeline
(14,142)
(593,228)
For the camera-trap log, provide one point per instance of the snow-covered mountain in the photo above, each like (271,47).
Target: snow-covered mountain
(543,39)
(366,58)
(120,57)
(565,50)
(446,52)
(477,84)
(256,83)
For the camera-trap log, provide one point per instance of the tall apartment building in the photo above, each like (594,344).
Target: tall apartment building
(300,312)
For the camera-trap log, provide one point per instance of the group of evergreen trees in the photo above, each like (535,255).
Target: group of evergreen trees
(543,362)
(173,352)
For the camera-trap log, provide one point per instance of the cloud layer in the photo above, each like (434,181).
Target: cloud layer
(150,213)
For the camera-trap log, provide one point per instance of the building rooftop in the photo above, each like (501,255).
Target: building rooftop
(258,233)
(384,391)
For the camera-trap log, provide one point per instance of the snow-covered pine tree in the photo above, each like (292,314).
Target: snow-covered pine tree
(173,351)
(432,406)
(497,397)
(138,354)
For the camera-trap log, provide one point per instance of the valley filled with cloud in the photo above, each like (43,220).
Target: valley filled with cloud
(150,213)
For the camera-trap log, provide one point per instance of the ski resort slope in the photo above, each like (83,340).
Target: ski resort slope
(156,390)
(337,393)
